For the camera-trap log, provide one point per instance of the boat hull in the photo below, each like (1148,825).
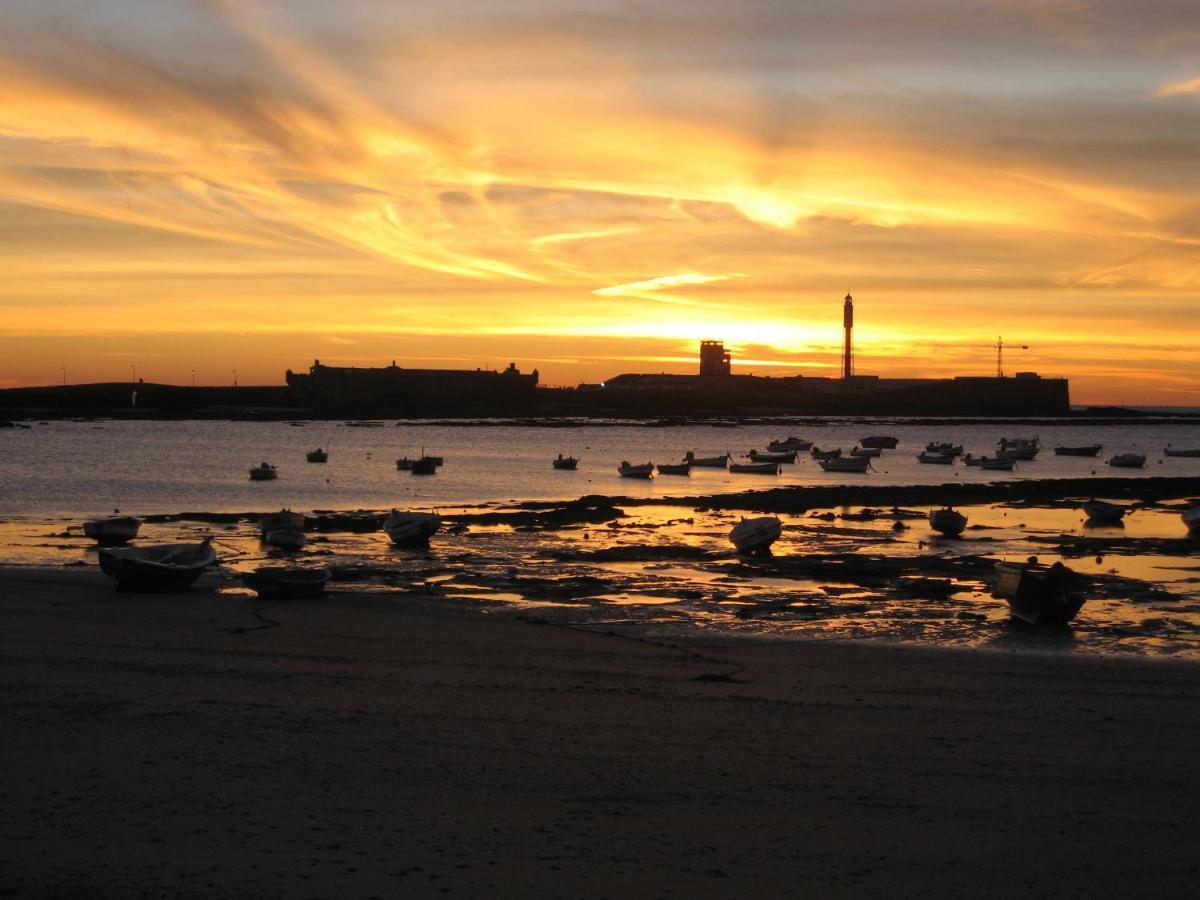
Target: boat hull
(285,538)
(277,583)
(857,464)
(112,531)
(162,567)
(681,469)
(1037,594)
(948,522)
(411,529)
(756,468)
(1092,450)
(756,535)
(566,464)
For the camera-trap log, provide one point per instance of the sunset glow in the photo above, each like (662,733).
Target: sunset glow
(588,189)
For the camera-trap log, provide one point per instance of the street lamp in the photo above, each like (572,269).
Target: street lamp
(235,377)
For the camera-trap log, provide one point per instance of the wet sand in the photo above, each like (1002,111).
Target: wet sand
(369,745)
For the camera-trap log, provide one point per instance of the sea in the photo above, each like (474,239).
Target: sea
(660,570)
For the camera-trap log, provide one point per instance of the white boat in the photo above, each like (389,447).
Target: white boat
(948,521)
(1102,511)
(1128,461)
(1191,517)
(285,538)
(845,464)
(756,535)
(285,518)
(263,472)
(712,462)
(627,470)
(162,567)
(112,530)
(411,529)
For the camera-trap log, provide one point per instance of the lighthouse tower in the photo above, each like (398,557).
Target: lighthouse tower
(848,341)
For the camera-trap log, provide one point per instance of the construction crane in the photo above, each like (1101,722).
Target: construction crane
(999,348)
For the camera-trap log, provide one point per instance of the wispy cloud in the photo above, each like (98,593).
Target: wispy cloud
(1176,88)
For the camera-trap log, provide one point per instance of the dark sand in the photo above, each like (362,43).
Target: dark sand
(375,746)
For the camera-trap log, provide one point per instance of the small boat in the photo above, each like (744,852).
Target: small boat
(1018,443)
(426,465)
(756,535)
(1128,461)
(285,538)
(818,453)
(869,452)
(944,448)
(1024,453)
(565,462)
(683,468)
(1191,454)
(1103,512)
(411,529)
(158,567)
(628,470)
(880,442)
(1191,516)
(846,464)
(937,459)
(755,468)
(317,456)
(790,443)
(263,472)
(781,456)
(1037,593)
(287,583)
(711,462)
(992,463)
(285,518)
(948,521)
(1089,450)
(112,530)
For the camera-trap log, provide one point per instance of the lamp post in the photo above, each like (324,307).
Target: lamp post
(63,369)
(235,377)
(133,373)
(193,377)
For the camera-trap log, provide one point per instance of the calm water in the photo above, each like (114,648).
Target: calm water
(76,469)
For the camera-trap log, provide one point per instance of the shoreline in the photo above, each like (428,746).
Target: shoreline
(367,746)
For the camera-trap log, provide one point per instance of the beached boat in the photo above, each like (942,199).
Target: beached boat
(818,453)
(411,529)
(1103,512)
(1088,450)
(790,443)
(1167,451)
(756,535)
(944,448)
(1037,593)
(263,472)
(158,567)
(285,538)
(755,468)
(948,521)
(112,530)
(285,518)
(628,470)
(683,468)
(317,456)
(845,464)
(869,452)
(287,583)
(1191,516)
(782,456)
(880,441)
(1128,461)
(712,462)
(567,463)
(936,459)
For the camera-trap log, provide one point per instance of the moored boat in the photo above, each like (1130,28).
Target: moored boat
(1088,450)
(1103,512)
(317,456)
(568,463)
(285,538)
(1128,461)
(1023,453)
(1037,593)
(937,459)
(845,464)
(285,518)
(683,468)
(287,582)
(713,462)
(782,456)
(426,465)
(264,472)
(411,529)
(869,452)
(880,442)
(112,530)
(948,521)
(944,448)
(789,443)
(628,470)
(756,535)
(818,453)
(159,567)
(755,468)
(1167,451)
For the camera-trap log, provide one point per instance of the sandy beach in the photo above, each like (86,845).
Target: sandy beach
(374,746)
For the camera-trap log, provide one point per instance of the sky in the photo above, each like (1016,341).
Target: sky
(589,188)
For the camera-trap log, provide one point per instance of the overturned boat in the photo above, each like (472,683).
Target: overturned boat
(112,530)
(880,441)
(411,529)
(756,535)
(1037,593)
(1128,461)
(287,583)
(1104,513)
(158,567)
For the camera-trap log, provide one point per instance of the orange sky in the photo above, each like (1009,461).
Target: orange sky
(589,189)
